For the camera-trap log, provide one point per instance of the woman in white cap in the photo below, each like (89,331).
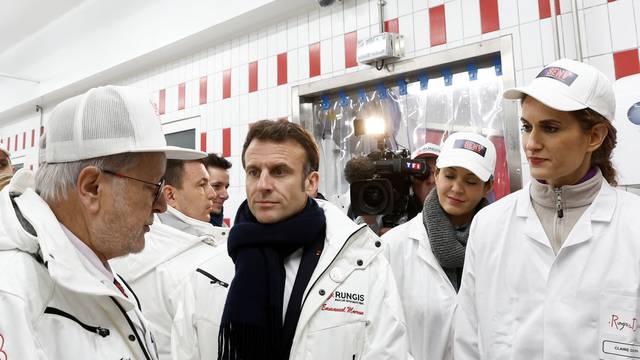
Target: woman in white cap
(427,253)
(553,270)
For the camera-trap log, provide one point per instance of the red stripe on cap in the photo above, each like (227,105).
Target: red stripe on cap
(8,143)
(203,90)
(314,59)
(226,142)
(350,49)
(203,141)
(15,144)
(489,17)
(24,140)
(226,84)
(33,137)
(392,26)
(626,63)
(282,68)
(253,76)
(437,25)
(161,101)
(181,94)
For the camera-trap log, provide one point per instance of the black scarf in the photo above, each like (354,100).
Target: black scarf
(252,326)
(217,219)
(448,242)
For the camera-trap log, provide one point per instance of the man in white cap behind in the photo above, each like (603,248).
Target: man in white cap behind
(6,169)
(422,185)
(95,197)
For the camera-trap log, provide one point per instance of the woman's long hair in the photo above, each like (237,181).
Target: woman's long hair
(602,156)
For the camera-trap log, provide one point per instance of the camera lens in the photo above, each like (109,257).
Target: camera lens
(374,198)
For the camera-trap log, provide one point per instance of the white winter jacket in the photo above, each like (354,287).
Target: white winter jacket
(428,298)
(158,272)
(194,334)
(351,308)
(54,304)
(520,301)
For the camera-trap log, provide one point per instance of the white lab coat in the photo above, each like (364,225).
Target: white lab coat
(428,298)
(158,272)
(331,326)
(55,304)
(520,301)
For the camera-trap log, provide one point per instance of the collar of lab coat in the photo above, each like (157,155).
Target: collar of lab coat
(66,266)
(162,243)
(601,210)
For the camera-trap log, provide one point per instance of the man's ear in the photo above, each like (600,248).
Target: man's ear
(90,187)
(312,182)
(170,194)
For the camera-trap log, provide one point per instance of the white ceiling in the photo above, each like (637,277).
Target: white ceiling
(21,18)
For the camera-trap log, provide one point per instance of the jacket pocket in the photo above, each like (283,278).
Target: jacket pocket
(618,326)
(212,279)
(339,342)
(104,332)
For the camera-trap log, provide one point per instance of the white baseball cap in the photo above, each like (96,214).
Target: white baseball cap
(107,121)
(569,85)
(426,150)
(471,151)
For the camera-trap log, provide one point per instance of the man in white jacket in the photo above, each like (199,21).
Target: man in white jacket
(96,195)
(309,283)
(178,243)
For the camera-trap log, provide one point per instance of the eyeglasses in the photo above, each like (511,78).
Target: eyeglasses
(159,186)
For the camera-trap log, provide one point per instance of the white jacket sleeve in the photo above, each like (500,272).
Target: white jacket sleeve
(386,334)
(184,339)
(17,336)
(466,316)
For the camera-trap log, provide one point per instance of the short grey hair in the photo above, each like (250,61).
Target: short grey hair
(54,181)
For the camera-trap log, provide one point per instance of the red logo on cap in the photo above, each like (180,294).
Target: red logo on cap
(563,75)
(470,145)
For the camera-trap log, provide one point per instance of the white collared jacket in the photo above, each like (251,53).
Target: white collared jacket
(428,298)
(520,301)
(351,308)
(158,272)
(54,304)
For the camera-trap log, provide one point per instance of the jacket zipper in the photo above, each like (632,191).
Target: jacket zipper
(558,217)
(214,280)
(104,332)
(133,328)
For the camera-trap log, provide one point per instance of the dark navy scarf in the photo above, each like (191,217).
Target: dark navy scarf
(217,219)
(252,326)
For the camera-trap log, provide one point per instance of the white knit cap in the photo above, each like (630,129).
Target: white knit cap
(471,151)
(107,121)
(569,85)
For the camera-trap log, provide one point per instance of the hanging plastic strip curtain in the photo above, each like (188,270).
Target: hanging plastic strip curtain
(411,113)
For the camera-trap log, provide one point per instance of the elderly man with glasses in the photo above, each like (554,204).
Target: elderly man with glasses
(96,194)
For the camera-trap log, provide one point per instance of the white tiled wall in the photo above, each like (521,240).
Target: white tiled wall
(607,27)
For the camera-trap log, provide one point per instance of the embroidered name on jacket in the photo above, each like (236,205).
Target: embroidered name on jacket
(344,302)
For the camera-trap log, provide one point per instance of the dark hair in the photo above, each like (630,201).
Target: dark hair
(280,131)
(216,161)
(602,156)
(175,171)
